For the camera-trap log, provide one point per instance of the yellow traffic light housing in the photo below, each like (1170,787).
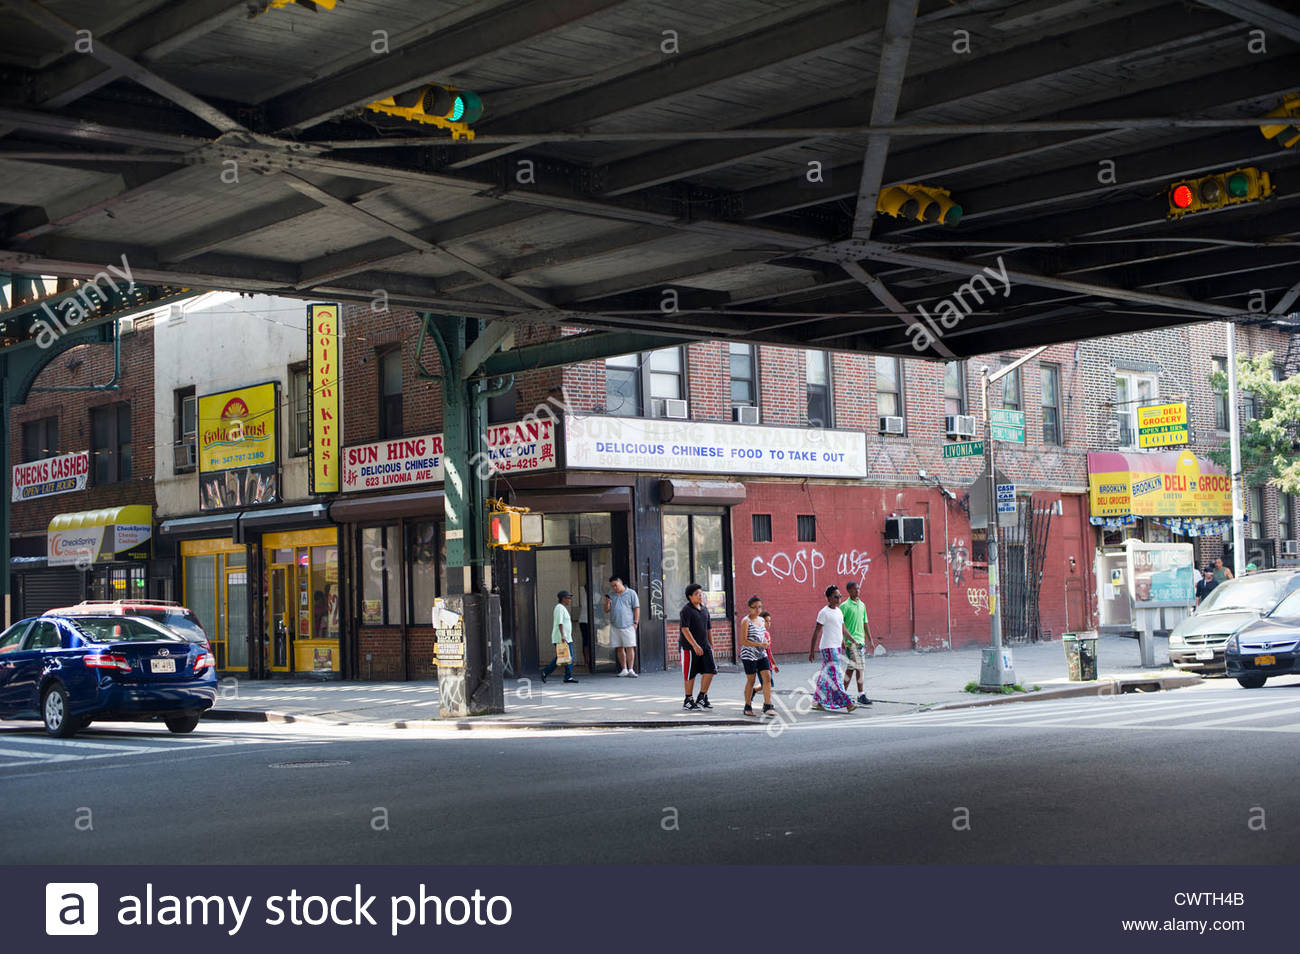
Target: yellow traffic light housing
(923,203)
(1217,191)
(514,528)
(443,106)
(1286,134)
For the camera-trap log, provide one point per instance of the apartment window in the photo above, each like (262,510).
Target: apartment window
(762,524)
(806,525)
(110,443)
(889,386)
(1011,399)
(184,429)
(299,398)
(390,393)
(954,388)
(817,374)
(665,369)
(1132,391)
(1284,517)
(1221,398)
(744,374)
(1050,381)
(1256,515)
(623,385)
(40,439)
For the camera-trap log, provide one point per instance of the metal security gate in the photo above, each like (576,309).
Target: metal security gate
(1024,552)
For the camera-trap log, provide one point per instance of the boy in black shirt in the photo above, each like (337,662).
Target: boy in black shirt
(697,651)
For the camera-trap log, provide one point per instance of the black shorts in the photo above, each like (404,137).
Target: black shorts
(702,665)
(755,666)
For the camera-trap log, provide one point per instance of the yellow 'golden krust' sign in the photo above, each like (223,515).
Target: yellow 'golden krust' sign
(323,397)
(237,429)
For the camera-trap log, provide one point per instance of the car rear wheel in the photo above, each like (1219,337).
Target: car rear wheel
(1252,680)
(54,712)
(182,725)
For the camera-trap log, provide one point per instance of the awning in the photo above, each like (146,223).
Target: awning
(281,518)
(1160,484)
(100,536)
(426,503)
(219,524)
(576,501)
(712,493)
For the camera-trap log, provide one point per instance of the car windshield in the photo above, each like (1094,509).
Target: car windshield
(1252,593)
(122,629)
(186,624)
(1289,608)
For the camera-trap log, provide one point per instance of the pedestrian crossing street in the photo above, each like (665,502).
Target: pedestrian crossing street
(1191,710)
(25,747)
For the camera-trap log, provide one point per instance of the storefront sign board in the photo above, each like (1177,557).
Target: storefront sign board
(53,475)
(323,398)
(1170,484)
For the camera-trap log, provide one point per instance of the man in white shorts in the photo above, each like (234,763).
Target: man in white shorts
(625,615)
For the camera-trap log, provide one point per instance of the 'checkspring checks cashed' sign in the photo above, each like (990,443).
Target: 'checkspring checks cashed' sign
(695,447)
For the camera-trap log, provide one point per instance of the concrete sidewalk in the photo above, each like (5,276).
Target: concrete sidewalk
(897,683)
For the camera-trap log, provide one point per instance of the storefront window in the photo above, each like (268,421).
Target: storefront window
(576,529)
(423,561)
(380,595)
(694,553)
(201,593)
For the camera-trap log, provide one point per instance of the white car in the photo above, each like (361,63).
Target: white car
(1197,643)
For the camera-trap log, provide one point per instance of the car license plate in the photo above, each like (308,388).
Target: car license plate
(162,665)
(1265,660)
(1205,654)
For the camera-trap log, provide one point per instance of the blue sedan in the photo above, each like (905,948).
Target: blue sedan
(69,671)
(1270,646)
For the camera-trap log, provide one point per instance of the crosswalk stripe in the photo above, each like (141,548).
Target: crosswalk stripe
(27,754)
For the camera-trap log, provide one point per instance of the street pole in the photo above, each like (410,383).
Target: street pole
(994,673)
(1234,443)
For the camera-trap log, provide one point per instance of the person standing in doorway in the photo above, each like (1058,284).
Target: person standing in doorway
(828,637)
(625,616)
(753,656)
(697,650)
(855,640)
(1221,572)
(561,637)
(1206,584)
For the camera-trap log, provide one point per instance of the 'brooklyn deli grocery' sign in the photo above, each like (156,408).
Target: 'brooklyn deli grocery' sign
(54,475)
(516,447)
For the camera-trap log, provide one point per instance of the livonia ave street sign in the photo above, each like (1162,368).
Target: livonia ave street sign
(965,449)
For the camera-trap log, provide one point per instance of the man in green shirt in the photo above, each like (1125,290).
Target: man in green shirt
(561,635)
(855,637)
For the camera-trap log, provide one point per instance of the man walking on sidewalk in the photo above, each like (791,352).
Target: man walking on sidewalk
(561,637)
(625,615)
(697,650)
(855,637)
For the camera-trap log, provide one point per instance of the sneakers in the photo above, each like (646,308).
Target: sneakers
(689,704)
(631,674)
(863,700)
(703,701)
(543,674)
(569,679)
(622,673)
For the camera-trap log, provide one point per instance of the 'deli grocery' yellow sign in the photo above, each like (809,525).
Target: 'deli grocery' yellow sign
(1162,425)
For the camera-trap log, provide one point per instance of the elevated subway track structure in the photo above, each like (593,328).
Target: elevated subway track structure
(708,169)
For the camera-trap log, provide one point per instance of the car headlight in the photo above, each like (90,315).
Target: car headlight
(1231,645)
(1175,639)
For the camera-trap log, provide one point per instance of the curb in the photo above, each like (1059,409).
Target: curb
(1101,687)
(257,715)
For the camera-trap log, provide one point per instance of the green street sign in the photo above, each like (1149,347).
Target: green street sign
(965,449)
(1008,426)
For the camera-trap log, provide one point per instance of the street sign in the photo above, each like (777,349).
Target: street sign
(964,449)
(1162,425)
(1008,426)
(1006,494)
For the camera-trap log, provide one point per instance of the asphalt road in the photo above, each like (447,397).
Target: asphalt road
(1185,777)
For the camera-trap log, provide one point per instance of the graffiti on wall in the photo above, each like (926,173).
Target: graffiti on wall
(853,565)
(801,568)
(958,558)
(978,597)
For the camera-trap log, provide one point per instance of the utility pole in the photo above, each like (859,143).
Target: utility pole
(1234,443)
(996,670)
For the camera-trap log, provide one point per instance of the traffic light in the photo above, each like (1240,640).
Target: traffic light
(314,6)
(442,106)
(923,203)
(1286,134)
(512,530)
(1206,193)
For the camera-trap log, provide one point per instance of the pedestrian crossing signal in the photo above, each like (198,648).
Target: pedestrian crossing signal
(512,530)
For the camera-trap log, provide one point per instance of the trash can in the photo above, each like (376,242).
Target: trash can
(1081,656)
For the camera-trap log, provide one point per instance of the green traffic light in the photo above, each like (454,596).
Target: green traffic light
(1238,185)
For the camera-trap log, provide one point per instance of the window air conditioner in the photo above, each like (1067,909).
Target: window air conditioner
(669,407)
(183,455)
(959,425)
(125,326)
(904,530)
(1291,548)
(744,414)
(891,424)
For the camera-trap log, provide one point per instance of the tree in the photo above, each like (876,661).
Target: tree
(1270,439)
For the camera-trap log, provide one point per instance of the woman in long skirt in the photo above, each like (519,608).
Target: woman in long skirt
(828,637)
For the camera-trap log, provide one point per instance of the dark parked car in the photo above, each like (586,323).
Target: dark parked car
(1197,643)
(1270,646)
(70,670)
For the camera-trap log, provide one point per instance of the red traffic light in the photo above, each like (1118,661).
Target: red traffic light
(1182,197)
